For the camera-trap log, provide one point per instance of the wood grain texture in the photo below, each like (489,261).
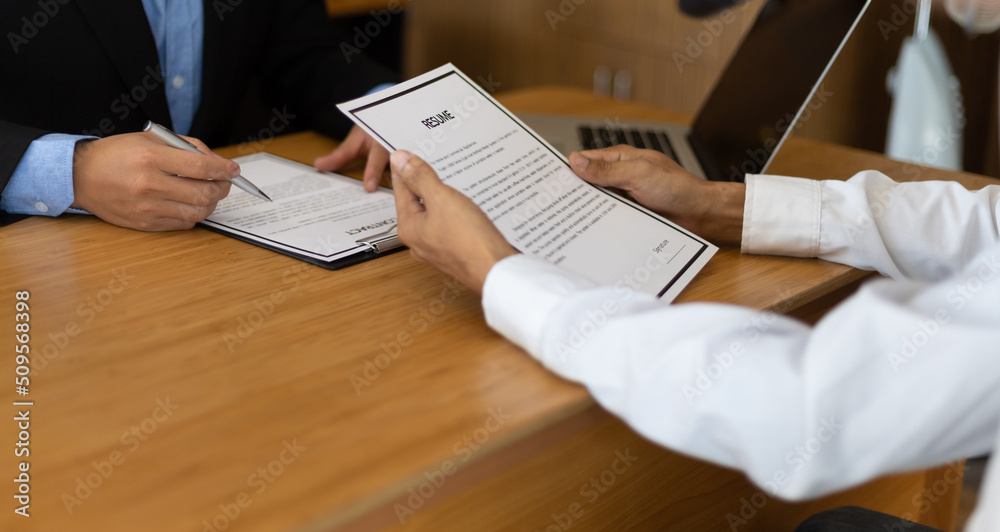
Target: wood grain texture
(258,350)
(659,491)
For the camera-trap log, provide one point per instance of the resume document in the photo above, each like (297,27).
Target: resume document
(527,188)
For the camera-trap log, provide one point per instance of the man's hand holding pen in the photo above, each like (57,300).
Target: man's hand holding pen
(133,180)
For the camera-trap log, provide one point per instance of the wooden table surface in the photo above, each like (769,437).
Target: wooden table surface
(186,381)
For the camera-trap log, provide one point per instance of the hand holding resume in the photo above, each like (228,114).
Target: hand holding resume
(526,188)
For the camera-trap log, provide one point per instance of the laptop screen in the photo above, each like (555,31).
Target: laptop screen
(769,82)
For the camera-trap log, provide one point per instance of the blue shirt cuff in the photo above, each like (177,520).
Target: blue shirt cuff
(42,183)
(380,88)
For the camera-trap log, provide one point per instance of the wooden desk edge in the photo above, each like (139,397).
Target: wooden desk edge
(377,513)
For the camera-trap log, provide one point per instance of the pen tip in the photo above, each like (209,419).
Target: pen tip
(268,198)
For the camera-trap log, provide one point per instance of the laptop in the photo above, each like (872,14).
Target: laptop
(755,104)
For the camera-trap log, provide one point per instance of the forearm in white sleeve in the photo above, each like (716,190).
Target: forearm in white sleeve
(901,376)
(922,230)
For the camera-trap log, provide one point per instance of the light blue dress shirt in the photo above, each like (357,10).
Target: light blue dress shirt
(179,30)
(43,181)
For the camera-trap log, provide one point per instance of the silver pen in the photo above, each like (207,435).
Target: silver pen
(175,141)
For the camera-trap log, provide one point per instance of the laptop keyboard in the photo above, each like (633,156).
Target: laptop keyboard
(592,138)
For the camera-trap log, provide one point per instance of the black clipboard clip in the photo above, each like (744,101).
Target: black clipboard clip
(382,242)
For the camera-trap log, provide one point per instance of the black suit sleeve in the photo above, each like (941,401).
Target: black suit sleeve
(14,141)
(306,65)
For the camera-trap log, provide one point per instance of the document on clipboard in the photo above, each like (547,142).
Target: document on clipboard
(324,219)
(527,188)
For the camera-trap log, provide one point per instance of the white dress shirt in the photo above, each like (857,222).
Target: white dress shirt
(903,375)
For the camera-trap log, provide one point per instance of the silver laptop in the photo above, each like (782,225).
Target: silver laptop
(756,103)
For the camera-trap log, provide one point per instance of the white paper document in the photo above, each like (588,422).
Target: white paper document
(527,188)
(316,217)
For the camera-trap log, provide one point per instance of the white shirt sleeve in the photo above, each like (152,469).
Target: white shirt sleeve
(921,230)
(903,375)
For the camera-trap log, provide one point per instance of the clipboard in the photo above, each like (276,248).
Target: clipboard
(350,251)
(376,249)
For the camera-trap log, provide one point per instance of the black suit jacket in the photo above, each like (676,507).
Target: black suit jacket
(91,67)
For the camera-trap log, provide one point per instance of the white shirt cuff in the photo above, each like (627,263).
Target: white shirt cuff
(781,216)
(522,292)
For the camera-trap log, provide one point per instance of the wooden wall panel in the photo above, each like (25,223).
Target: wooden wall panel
(517,45)
(520,45)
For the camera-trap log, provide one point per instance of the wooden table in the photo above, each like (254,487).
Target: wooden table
(188,381)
